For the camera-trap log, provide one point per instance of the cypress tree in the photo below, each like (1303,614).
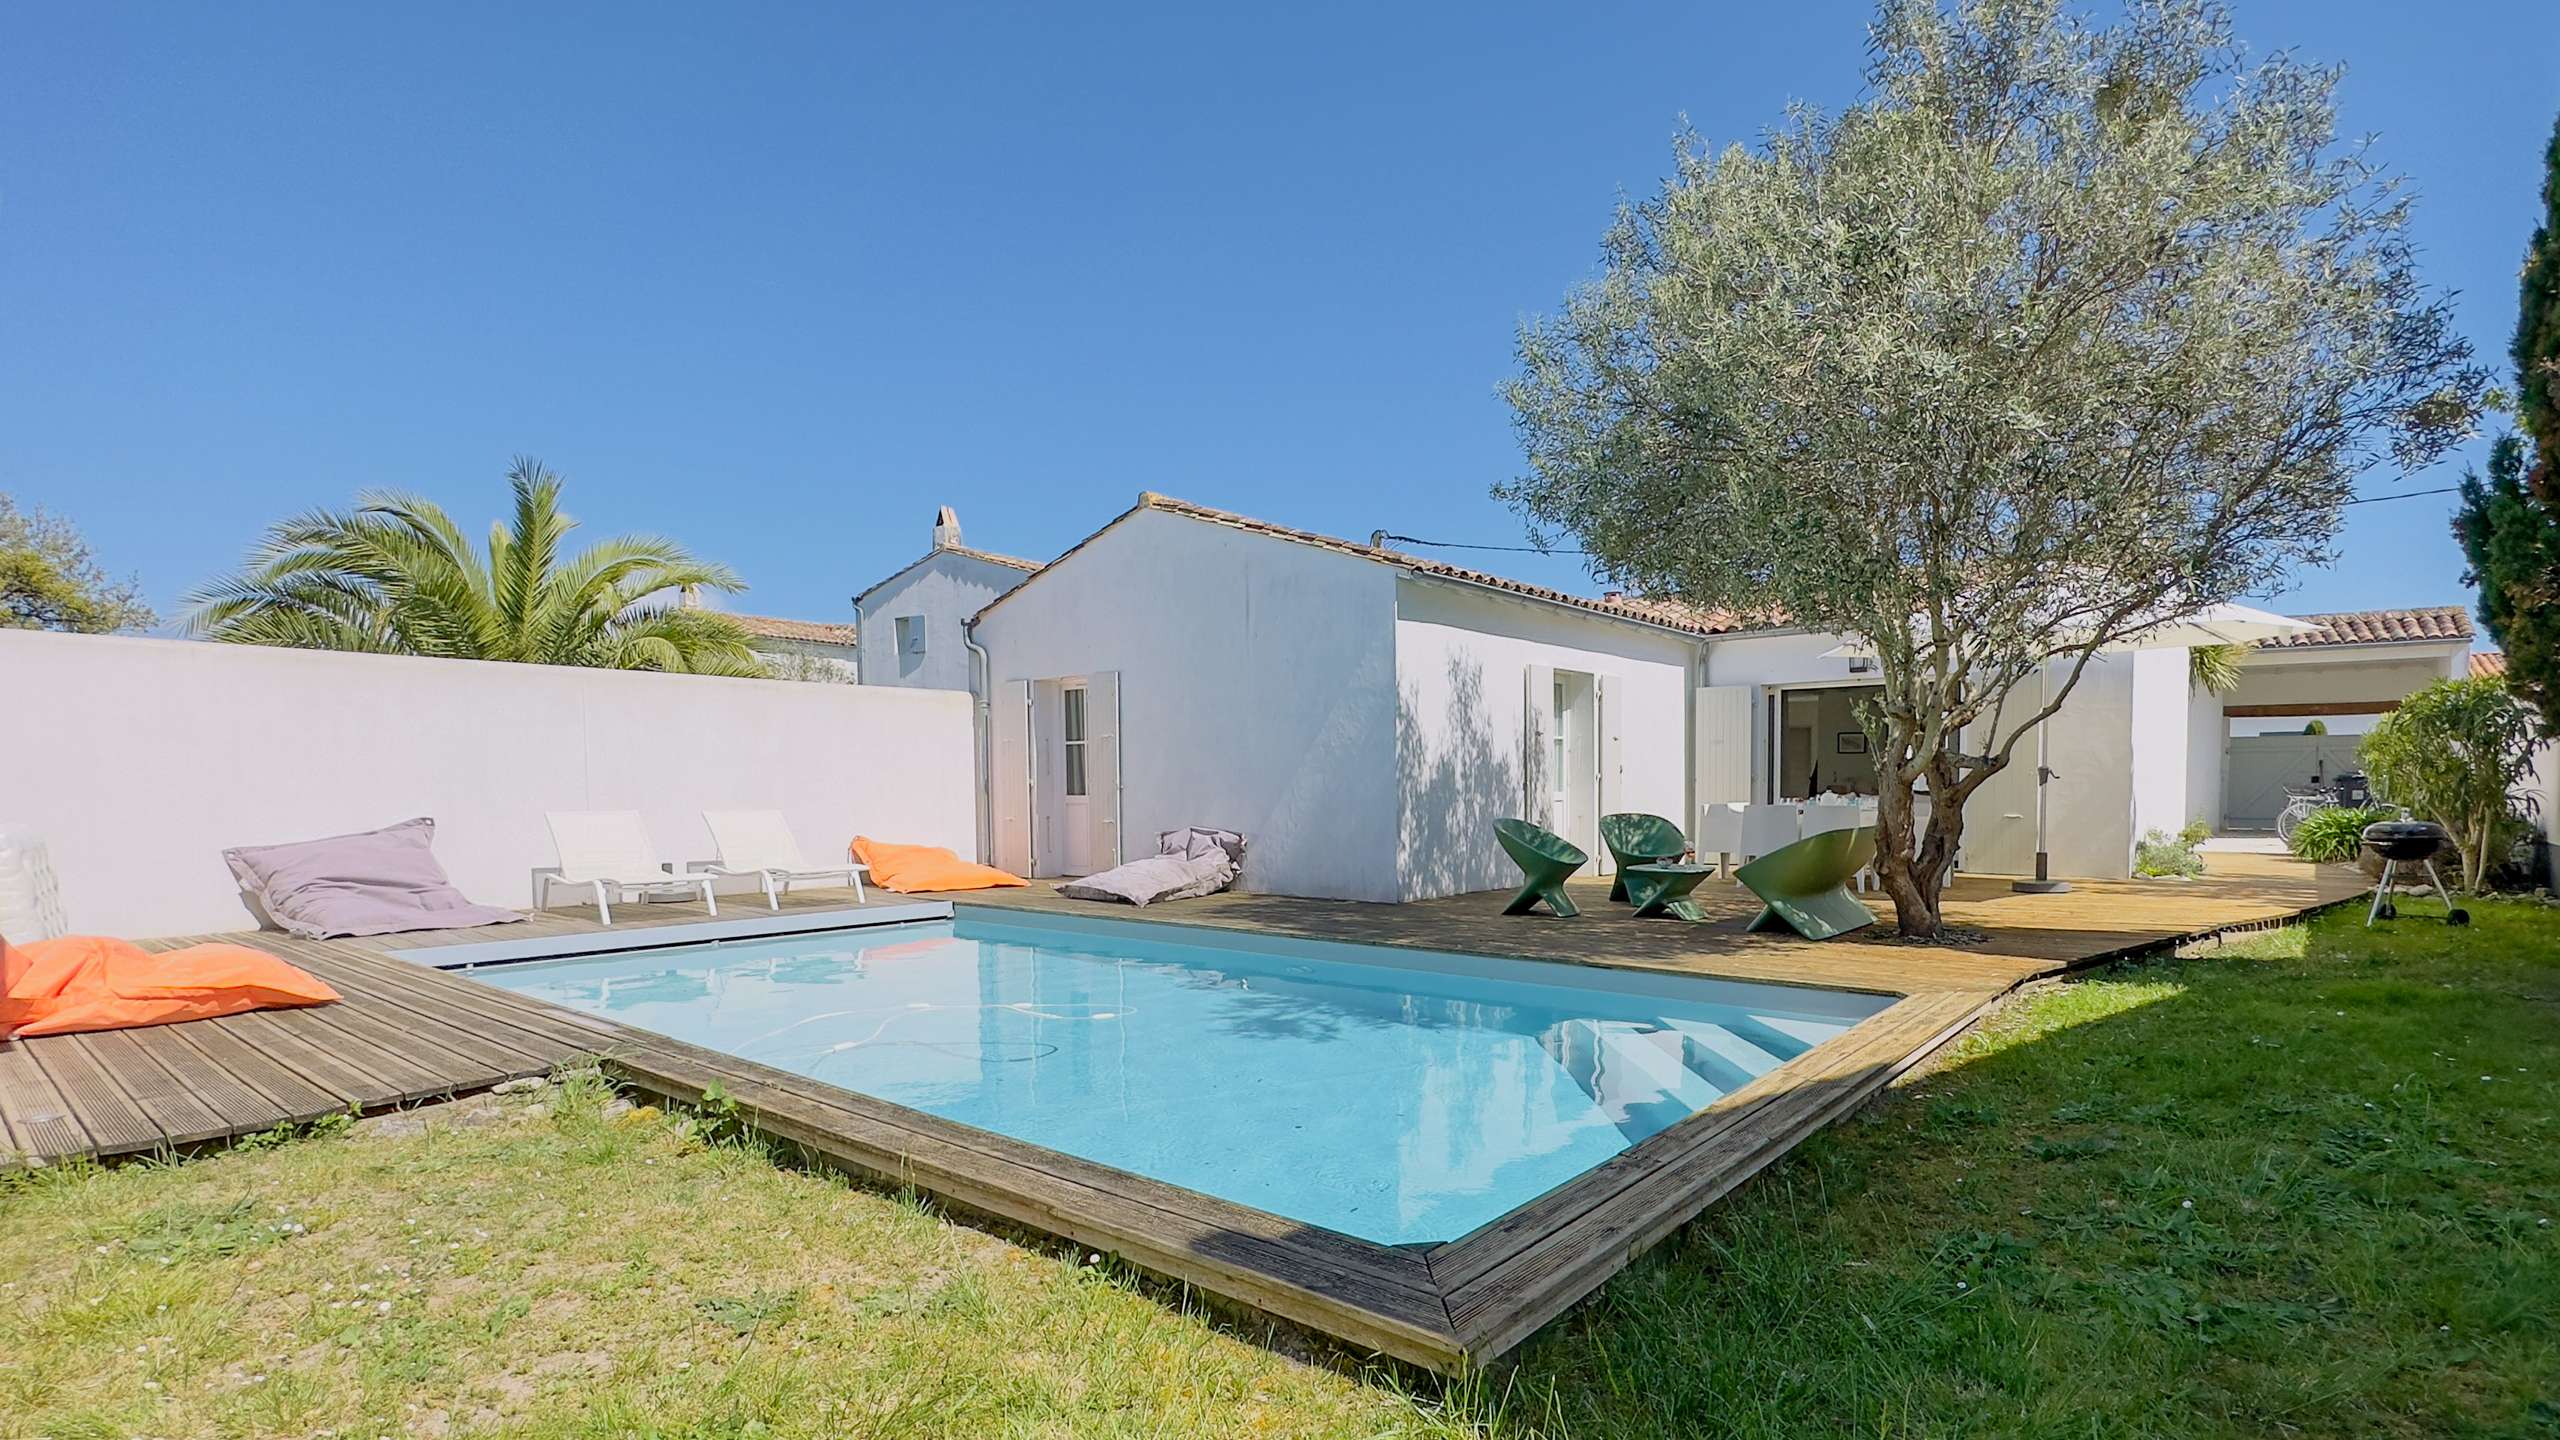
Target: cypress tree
(2509,520)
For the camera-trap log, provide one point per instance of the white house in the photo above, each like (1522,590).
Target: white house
(803,649)
(910,624)
(2346,675)
(1364,715)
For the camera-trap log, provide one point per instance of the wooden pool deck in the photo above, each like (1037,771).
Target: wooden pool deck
(407,1032)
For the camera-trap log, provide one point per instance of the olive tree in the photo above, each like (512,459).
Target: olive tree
(2062,332)
(2459,753)
(51,580)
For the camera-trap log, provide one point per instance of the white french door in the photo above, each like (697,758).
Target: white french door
(1076,781)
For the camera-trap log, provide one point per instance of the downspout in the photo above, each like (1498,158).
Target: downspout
(857,639)
(982,682)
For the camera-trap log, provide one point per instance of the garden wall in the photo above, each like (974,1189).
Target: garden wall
(139,760)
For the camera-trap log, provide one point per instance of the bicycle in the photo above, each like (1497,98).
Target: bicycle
(2299,802)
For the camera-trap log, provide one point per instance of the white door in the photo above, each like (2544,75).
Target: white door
(1076,776)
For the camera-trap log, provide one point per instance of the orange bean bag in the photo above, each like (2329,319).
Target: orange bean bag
(90,982)
(912,869)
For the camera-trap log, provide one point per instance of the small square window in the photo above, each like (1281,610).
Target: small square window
(910,634)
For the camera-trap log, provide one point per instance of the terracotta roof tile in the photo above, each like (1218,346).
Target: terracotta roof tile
(2380,627)
(2488,664)
(991,557)
(1010,562)
(1667,614)
(819,631)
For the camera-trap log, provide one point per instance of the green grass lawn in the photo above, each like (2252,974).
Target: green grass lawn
(2301,1185)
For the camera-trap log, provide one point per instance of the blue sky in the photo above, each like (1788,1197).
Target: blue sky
(778,281)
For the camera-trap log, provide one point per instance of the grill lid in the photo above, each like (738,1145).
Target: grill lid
(2404,839)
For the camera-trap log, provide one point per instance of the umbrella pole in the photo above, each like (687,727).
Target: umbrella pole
(2044,883)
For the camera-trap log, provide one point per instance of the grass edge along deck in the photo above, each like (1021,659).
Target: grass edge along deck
(409,1031)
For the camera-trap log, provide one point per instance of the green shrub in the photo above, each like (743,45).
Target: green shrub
(2459,752)
(2334,834)
(2162,854)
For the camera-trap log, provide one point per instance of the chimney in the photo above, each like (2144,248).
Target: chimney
(946,528)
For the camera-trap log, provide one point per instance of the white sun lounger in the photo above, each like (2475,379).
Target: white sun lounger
(609,850)
(760,843)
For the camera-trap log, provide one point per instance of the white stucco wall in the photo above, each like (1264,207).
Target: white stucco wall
(2207,730)
(140,760)
(1257,691)
(2157,742)
(2091,747)
(1462,660)
(945,588)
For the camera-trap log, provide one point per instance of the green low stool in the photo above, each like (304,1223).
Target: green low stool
(1546,861)
(1805,886)
(1635,839)
(1663,889)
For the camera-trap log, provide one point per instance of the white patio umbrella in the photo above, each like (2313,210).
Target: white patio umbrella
(2212,625)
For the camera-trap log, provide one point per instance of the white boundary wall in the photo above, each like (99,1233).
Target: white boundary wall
(138,761)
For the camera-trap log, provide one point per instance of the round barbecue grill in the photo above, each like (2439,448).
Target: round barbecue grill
(2413,843)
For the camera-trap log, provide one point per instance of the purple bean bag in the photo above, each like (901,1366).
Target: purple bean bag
(379,882)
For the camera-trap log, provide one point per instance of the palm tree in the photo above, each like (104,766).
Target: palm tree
(396,577)
(2216,668)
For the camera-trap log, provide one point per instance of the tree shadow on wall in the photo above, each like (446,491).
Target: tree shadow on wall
(1454,789)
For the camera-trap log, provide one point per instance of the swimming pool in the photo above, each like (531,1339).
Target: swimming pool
(1394,1095)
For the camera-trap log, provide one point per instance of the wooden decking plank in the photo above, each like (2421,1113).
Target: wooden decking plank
(1271,1275)
(1534,1285)
(1401,1268)
(421,1067)
(1462,1260)
(631,1047)
(314,1052)
(296,1097)
(418,989)
(41,1123)
(423,1023)
(116,1125)
(186,1114)
(385,1065)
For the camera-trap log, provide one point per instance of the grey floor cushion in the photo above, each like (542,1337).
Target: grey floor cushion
(378,882)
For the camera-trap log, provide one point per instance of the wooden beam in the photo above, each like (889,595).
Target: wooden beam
(2311,707)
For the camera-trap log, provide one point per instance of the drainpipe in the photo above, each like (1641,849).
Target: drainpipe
(982,684)
(857,639)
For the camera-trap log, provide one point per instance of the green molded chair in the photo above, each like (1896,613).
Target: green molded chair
(1634,838)
(1806,885)
(1546,861)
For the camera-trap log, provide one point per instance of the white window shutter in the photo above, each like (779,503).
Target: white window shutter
(1537,747)
(1726,714)
(1102,765)
(1009,775)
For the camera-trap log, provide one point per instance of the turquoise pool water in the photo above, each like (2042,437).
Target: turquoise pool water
(1395,1095)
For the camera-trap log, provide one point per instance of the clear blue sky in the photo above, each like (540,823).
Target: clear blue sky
(779,280)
